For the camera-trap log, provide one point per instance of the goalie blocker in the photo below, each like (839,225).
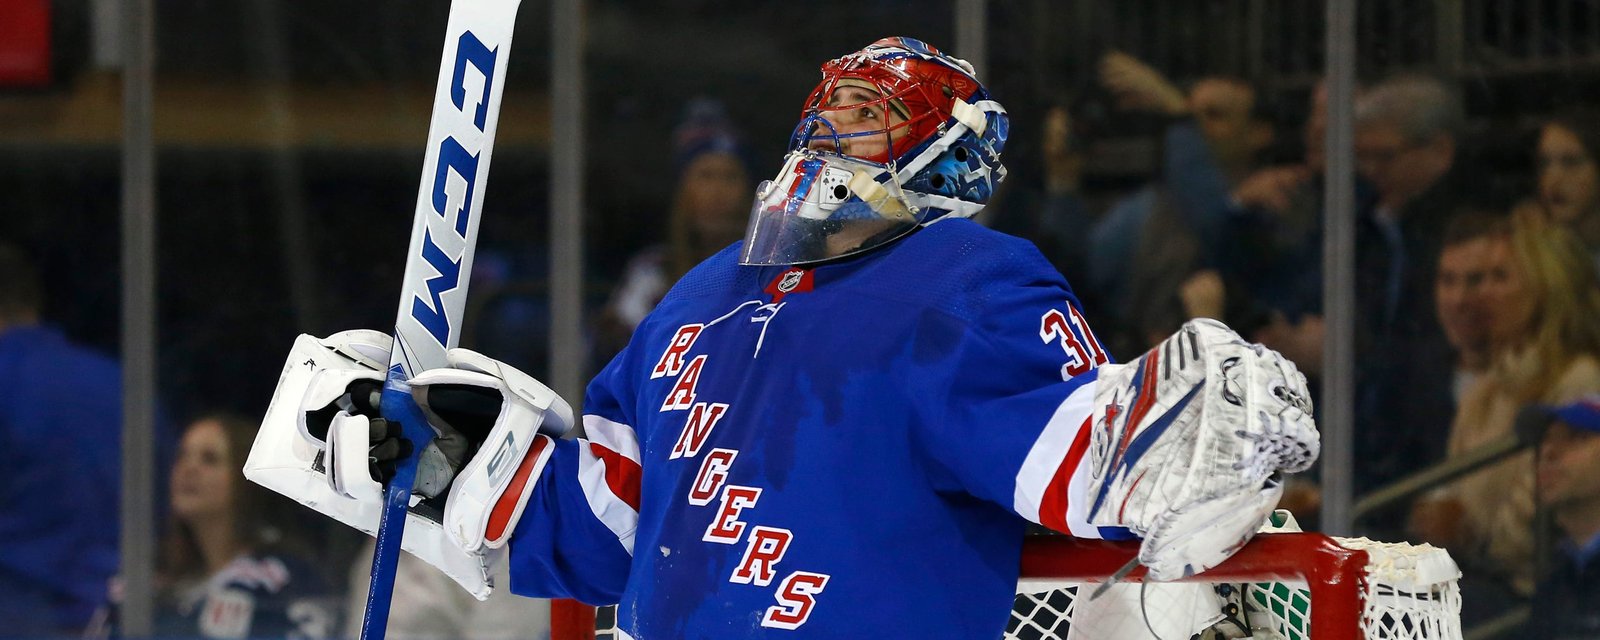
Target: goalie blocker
(321,442)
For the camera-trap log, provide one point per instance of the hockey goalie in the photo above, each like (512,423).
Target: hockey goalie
(848,418)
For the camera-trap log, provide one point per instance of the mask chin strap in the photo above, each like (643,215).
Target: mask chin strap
(881,200)
(969,116)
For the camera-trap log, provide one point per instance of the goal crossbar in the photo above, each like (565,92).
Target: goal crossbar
(1335,575)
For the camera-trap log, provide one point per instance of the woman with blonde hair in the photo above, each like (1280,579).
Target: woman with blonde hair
(1543,313)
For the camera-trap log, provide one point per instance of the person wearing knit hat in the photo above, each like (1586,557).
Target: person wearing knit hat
(706,129)
(708,212)
(714,180)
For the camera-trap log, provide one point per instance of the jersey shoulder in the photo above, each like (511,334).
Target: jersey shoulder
(956,265)
(716,275)
(967,270)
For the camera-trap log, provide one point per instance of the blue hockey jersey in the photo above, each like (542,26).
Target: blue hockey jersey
(258,594)
(833,452)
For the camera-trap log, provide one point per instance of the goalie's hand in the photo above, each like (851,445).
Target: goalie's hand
(1189,442)
(339,425)
(461,417)
(339,416)
(387,447)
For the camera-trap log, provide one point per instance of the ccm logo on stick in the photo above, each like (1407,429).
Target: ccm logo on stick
(454,179)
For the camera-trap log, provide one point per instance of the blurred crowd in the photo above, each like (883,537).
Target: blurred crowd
(1475,307)
(1477,319)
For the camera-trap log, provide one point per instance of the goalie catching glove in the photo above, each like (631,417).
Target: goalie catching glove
(1189,442)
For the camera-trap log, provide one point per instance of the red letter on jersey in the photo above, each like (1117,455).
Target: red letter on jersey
(726,527)
(671,362)
(702,419)
(713,472)
(764,549)
(795,600)
(682,396)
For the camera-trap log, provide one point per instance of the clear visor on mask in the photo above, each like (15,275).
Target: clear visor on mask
(823,206)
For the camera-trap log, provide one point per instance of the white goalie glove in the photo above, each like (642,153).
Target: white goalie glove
(339,415)
(511,421)
(323,444)
(1189,442)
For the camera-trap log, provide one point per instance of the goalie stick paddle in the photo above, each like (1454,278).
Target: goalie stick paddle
(466,110)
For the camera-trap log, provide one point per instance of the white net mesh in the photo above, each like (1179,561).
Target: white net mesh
(1406,592)
(1411,590)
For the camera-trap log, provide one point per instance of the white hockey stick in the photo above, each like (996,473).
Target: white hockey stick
(466,111)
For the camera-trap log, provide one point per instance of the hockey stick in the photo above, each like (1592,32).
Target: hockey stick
(444,232)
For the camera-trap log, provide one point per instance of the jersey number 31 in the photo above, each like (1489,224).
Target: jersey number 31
(1082,348)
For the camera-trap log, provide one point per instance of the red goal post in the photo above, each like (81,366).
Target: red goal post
(1298,585)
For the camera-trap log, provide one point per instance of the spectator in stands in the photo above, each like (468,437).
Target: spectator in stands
(1410,183)
(1274,239)
(1543,299)
(1473,240)
(225,568)
(1146,246)
(1566,602)
(1041,208)
(1461,360)
(1569,176)
(1267,275)
(60,420)
(1406,140)
(1459,294)
(1217,134)
(1407,146)
(709,212)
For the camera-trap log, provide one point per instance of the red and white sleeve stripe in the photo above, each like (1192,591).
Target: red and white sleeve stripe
(1051,485)
(608,470)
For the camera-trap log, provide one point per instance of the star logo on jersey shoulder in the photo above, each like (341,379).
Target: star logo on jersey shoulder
(794,280)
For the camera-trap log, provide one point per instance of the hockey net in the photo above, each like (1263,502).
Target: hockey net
(1281,585)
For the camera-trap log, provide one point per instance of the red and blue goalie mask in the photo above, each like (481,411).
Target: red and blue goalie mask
(896,136)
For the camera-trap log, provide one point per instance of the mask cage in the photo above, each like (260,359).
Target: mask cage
(910,99)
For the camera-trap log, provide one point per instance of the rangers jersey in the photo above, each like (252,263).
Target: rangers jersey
(256,595)
(825,452)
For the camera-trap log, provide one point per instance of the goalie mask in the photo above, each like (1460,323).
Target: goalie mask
(896,136)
